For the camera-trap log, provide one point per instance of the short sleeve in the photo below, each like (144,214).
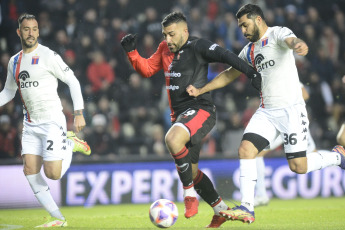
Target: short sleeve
(281,34)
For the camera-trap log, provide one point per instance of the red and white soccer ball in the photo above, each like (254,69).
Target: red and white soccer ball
(163,213)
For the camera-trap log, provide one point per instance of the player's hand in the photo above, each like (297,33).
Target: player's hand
(192,91)
(255,80)
(79,123)
(129,42)
(301,48)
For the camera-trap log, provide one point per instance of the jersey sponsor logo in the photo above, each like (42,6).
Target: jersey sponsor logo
(261,64)
(172,74)
(23,77)
(172,87)
(213,47)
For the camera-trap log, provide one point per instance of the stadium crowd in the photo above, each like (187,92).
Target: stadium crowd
(129,115)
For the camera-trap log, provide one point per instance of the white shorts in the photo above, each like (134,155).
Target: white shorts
(290,123)
(46,139)
(279,141)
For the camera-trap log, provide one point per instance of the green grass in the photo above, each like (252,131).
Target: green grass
(303,214)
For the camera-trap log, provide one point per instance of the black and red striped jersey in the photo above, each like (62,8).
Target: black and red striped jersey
(188,66)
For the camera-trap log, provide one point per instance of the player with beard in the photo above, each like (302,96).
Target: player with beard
(282,110)
(184,60)
(34,72)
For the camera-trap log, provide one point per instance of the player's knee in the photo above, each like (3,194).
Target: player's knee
(244,152)
(341,140)
(169,138)
(29,170)
(53,175)
(299,169)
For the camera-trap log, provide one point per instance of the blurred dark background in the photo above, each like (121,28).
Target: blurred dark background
(127,116)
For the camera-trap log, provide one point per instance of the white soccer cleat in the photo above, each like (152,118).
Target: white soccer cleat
(53,222)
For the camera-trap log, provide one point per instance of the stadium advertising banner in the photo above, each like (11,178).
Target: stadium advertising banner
(145,182)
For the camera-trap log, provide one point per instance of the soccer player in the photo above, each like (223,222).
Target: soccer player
(184,60)
(282,111)
(34,72)
(261,197)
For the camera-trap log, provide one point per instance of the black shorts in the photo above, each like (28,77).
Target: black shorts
(199,121)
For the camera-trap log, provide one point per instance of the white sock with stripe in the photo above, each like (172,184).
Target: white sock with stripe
(43,195)
(248,177)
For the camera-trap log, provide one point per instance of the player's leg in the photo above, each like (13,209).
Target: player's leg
(176,139)
(191,126)
(296,143)
(32,160)
(205,189)
(32,167)
(261,197)
(341,135)
(258,134)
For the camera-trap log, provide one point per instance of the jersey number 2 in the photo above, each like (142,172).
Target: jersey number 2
(50,145)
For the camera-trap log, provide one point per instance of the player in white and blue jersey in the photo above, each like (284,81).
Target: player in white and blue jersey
(282,111)
(34,72)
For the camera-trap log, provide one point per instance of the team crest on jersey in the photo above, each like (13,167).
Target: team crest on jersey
(264,42)
(35,60)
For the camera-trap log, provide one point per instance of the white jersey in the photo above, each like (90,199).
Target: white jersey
(274,60)
(36,76)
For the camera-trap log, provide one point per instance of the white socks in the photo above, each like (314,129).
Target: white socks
(260,189)
(220,207)
(189,192)
(66,162)
(248,177)
(321,159)
(43,195)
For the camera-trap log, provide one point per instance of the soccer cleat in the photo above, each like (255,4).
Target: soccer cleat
(79,145)
(340,149)
(191,206)
(261,201)
(216,221)
(53,222)
(240,213)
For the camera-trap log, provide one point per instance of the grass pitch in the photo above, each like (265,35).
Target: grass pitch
(321,213)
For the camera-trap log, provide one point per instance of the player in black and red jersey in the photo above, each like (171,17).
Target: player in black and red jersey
(184,60)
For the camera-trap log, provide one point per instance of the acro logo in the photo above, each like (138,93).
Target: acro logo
(23,76)
(260,64)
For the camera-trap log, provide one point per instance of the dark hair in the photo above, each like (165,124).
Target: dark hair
(252,11)
(173,17)
(25,16)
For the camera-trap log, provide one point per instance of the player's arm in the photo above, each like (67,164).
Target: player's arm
(221,80)
(65,74)
(297,45)
(10,89)
(305,93)
(212,52)
(145,67)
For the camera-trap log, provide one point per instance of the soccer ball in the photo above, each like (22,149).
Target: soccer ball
(163,213)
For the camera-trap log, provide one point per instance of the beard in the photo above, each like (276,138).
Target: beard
(255,35)
(28,45)
(177,46)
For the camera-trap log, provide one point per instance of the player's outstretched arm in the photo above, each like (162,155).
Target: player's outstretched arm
(298,45)
(222,79)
